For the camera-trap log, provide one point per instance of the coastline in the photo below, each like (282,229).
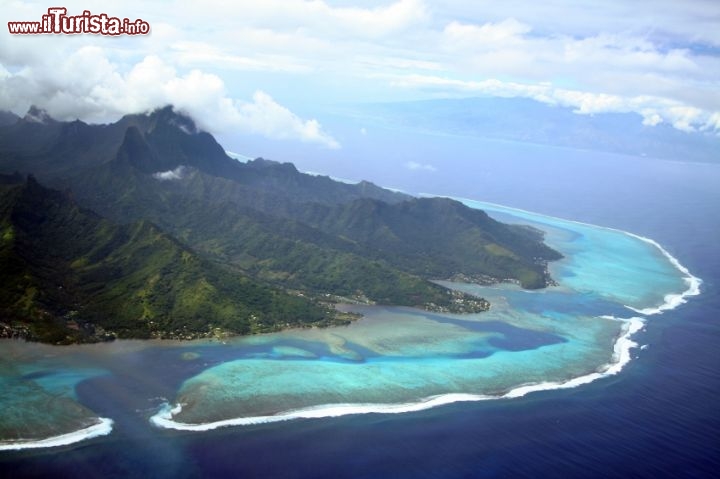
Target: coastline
(672,300)
(102,428)
(621,356)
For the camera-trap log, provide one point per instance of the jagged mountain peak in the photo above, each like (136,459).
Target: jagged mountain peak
(135,151)
(134,147)
(38,115)
(167,120)
(256,234)
(169,116)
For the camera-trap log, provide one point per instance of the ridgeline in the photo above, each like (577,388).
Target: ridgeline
(145,228)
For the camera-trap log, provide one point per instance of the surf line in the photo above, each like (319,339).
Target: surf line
(671,301)
(621,356)
(102,428)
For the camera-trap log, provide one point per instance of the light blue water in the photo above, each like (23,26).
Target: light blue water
(603,261)
(659,418)
(393,360)
(38,399)
(398,358)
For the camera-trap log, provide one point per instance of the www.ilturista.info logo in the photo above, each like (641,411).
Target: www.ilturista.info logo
(57,21)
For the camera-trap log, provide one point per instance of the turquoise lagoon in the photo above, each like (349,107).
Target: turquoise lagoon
(393,360)
(398,359)
(38,401)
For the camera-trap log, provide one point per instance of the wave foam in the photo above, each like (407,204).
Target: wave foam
(670,301)
(102,428)
(621,356)
(673,300)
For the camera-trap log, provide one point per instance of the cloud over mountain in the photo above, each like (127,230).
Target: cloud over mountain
(87,85)
(658,59)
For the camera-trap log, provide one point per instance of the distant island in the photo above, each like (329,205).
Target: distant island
(146,228)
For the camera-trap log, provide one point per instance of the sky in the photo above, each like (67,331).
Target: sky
(268,68)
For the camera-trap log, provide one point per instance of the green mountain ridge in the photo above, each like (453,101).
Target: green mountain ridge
(275,249)
(460,240)
(263,223)
(69,275)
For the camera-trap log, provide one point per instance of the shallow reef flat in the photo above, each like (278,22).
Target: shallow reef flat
(401,359)
(395,359)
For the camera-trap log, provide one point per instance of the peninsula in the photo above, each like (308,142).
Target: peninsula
(146,228)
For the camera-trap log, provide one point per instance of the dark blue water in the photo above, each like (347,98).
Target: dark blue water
(660,417)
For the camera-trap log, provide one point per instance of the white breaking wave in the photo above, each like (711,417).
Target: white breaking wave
(102,428)
(671,301)
(621,356)
(674,300)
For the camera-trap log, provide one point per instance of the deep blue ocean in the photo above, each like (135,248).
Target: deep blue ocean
(660,417)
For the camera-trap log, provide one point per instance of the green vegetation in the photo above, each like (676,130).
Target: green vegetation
(226,247)
(70,275)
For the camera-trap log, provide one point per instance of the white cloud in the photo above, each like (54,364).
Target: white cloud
(317,16)
(654,110)
(595,56)
(695,20)
(87,85)
(378,21)
(265,116)
(651,117)
(483,36)
(194,53)
(415,166)
(176,174)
